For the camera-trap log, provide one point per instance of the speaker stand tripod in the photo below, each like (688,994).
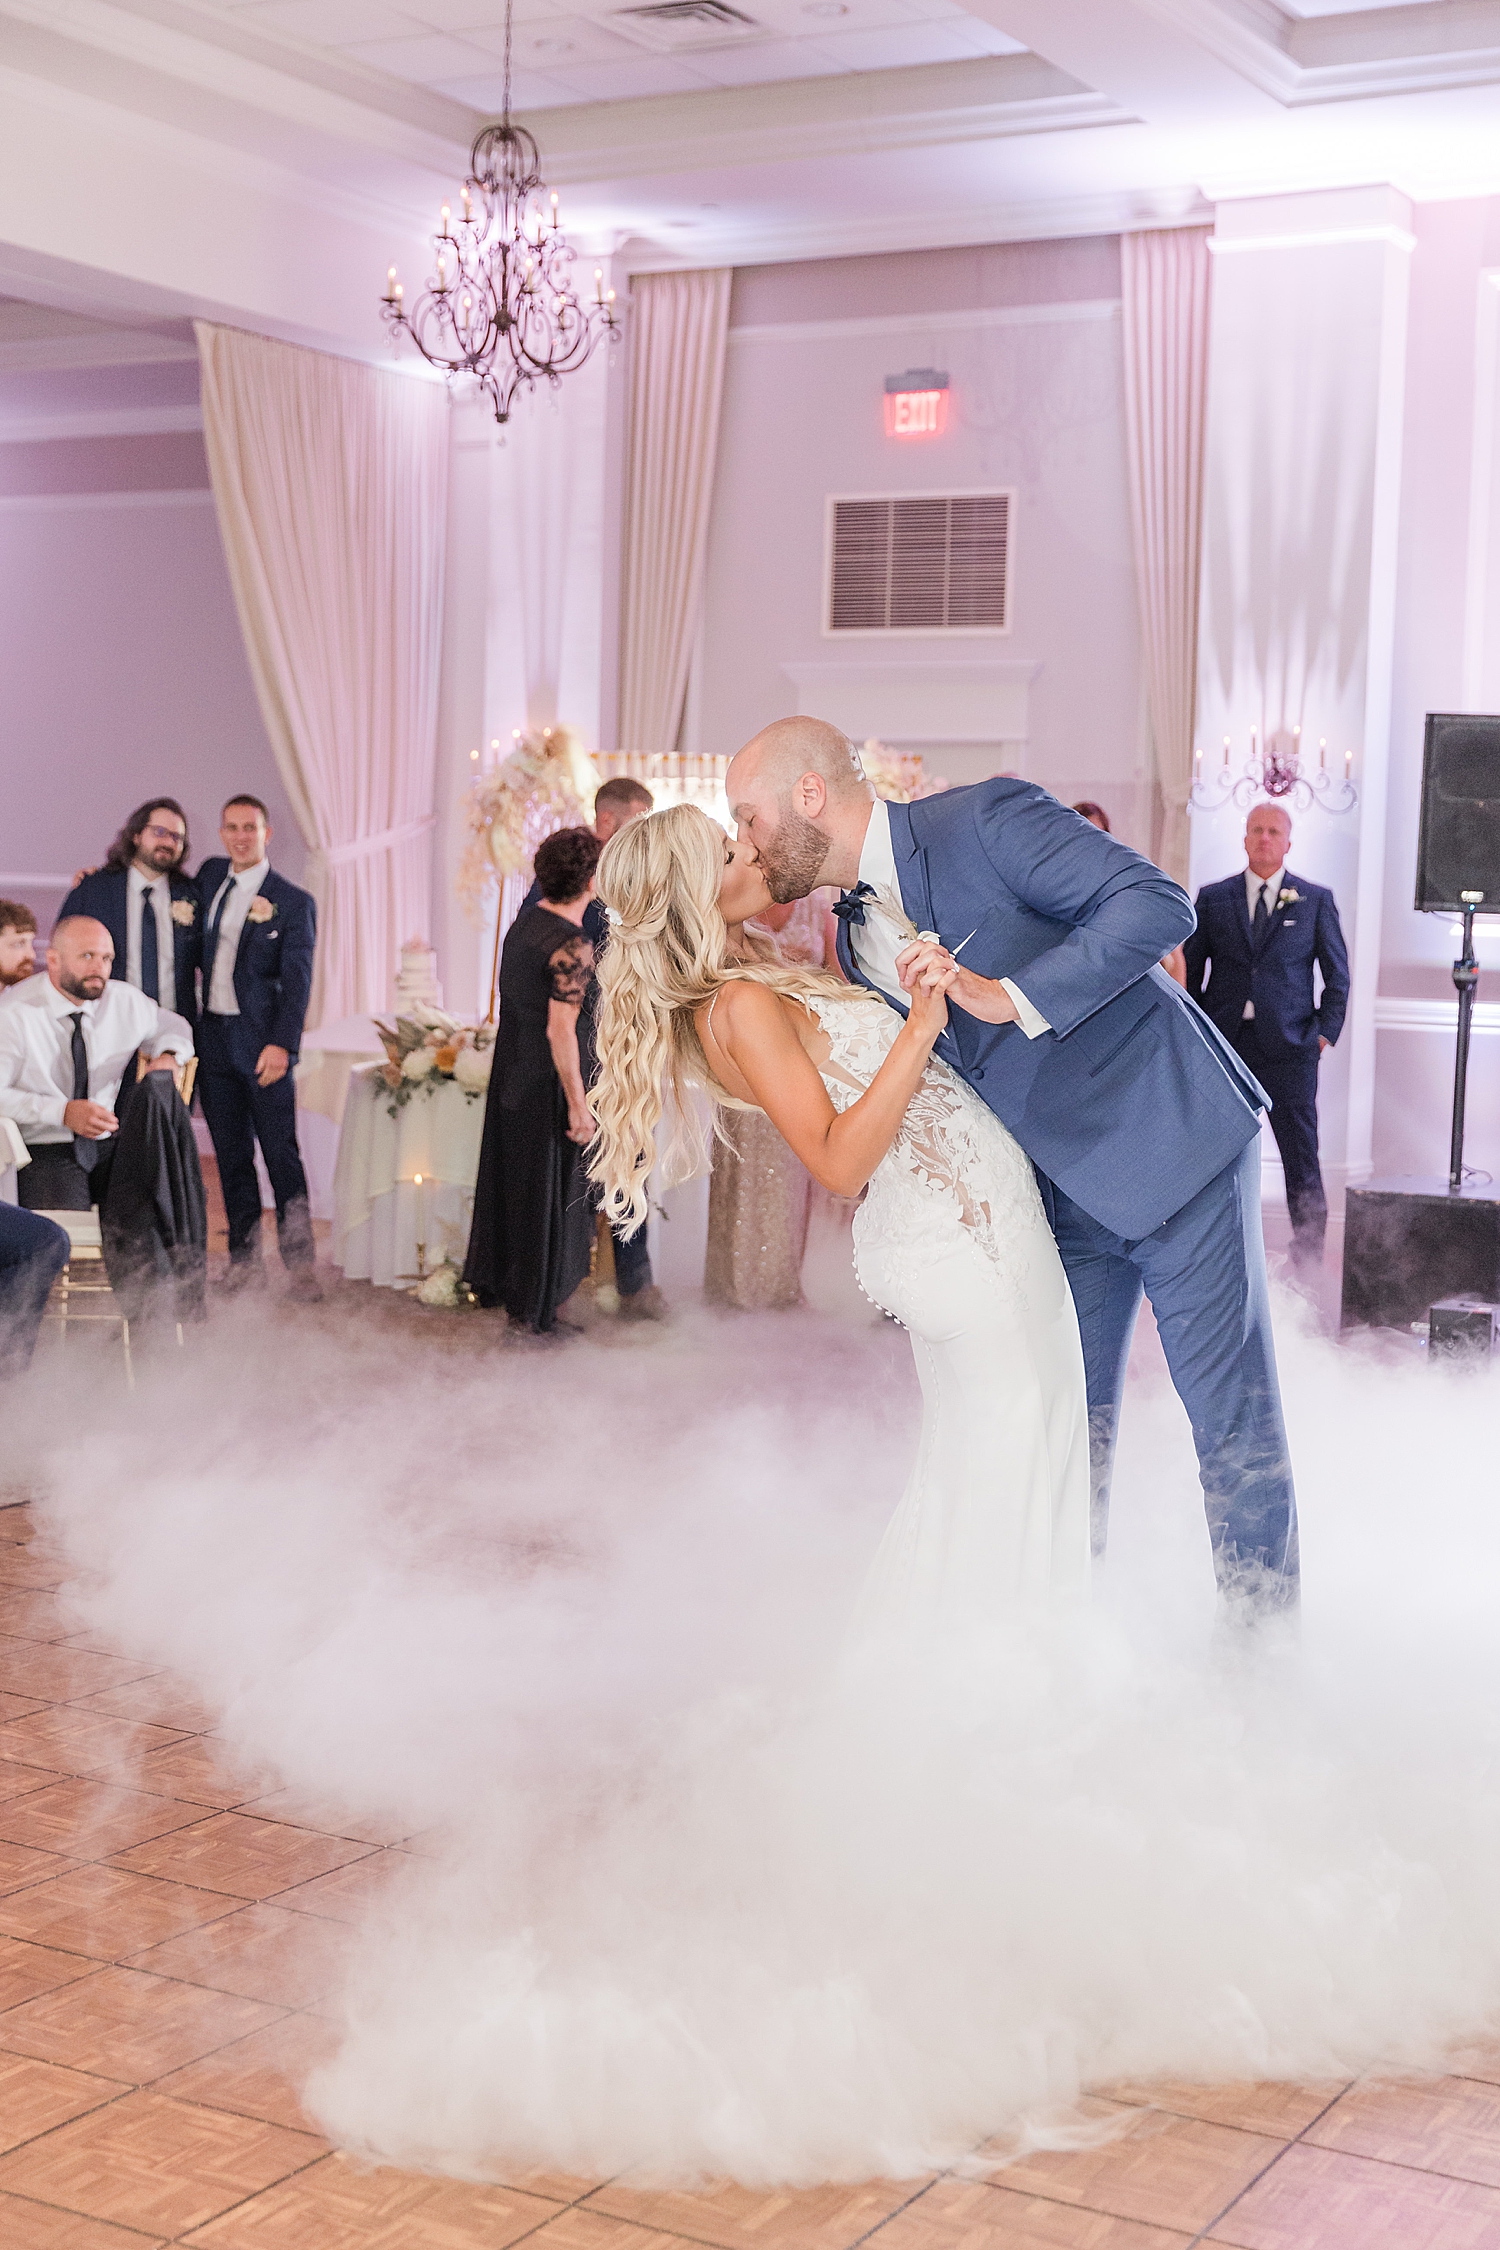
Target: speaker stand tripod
(1465,978)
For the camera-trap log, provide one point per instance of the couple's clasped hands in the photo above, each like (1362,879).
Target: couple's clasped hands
(933,978)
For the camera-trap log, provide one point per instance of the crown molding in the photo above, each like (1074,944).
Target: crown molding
(861,113)
(1302,62)
(1049,220)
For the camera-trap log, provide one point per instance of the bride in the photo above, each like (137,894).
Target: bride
(950,1239)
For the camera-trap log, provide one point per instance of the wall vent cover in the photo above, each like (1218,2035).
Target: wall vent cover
(671,25)
(920,563)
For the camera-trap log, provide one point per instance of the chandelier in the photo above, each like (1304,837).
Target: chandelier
(1274,769)
(500,304)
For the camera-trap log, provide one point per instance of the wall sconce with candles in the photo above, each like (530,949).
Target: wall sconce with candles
(1274,768)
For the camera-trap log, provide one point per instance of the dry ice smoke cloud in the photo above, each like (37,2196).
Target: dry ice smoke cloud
(690,1892)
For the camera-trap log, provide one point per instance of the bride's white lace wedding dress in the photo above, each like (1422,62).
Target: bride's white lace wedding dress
(951,1239)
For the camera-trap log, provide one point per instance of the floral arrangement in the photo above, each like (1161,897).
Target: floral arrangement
(897,775)
(548,782)
(430,1048)
(446,1288)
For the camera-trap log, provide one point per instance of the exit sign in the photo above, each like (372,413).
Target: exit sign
(916,403)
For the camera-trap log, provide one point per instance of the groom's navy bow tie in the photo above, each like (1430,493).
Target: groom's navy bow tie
(850,906)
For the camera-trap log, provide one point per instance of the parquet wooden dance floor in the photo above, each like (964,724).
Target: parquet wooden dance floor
(168,1929)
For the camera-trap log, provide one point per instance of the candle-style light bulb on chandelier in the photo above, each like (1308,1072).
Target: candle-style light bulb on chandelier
(500,304)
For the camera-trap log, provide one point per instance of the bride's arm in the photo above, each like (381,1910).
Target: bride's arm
(841,1149)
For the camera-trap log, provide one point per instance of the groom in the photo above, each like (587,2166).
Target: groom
(1142,1123)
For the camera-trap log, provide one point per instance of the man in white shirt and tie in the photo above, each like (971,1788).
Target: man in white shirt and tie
(68,1036)
(149,907)
(259,934)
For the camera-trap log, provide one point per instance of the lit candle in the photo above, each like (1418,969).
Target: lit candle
(443,223)
(1322,753)
(468,214)
(1197,760)
(390,286)
(1226,751)
(442,276)
(554,211)
(1348,763)
(421,1228)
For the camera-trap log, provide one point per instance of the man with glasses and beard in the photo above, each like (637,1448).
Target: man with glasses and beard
(149,907)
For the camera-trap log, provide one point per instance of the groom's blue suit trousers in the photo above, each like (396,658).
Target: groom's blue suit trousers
(1205,1274)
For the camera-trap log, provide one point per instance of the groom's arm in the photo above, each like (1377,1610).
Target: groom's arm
(1125,914)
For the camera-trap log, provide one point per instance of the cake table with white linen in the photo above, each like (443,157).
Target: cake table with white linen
(378,1206)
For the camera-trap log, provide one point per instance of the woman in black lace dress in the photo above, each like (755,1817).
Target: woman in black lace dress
(533,1226)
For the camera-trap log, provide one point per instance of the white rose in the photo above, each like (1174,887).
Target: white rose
(419,1063)
(471,1067)
(440,1288)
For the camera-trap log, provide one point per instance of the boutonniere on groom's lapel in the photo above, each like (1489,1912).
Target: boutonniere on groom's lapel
(1287,897)
(183,912)
(260,909)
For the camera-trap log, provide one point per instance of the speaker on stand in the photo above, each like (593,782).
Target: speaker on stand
(1458,864)
(1411,1243)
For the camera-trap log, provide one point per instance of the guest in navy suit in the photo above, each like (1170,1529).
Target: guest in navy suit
(1260,936)
(259,933)
(149,907)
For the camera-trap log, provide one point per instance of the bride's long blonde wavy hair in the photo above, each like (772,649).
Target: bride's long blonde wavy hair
(668,953)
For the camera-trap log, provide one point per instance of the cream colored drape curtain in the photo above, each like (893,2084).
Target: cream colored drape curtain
(331,483)
(1165,286)
(679,327)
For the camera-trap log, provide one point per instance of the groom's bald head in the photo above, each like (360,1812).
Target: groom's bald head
(777,758)
(798,795)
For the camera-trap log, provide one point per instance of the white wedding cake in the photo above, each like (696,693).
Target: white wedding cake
(417,979)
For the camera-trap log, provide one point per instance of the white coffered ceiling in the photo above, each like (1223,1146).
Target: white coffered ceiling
(260,159)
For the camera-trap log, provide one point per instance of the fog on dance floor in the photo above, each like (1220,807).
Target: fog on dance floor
(678,1883)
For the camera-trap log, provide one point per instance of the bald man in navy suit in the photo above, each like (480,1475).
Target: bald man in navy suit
(1260,936)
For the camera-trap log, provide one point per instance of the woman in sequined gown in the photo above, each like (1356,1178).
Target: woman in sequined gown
(759,1197)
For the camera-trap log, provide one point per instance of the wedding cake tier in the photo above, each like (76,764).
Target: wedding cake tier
(417,983)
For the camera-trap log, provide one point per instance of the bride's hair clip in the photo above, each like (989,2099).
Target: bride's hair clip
(614,917)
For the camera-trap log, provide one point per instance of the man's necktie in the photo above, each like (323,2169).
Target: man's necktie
(1262,920)
(150,982)
(87,1152)
(211,941)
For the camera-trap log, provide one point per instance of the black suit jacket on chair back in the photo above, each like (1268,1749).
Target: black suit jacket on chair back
(106,896)
(272,968)
(1277,975)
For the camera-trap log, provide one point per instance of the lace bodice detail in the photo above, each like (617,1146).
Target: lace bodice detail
(951,1163)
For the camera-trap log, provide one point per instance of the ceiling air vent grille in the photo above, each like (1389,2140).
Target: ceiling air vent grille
(920,563)
(670,25)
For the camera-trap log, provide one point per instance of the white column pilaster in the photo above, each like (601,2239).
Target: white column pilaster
(1302,491)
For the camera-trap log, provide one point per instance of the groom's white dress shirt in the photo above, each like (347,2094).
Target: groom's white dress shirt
(36,1049)
(1254,884)
(160,888)
(887,927)
(221,998)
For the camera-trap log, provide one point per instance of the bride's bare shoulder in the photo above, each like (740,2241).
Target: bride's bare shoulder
(743,1004)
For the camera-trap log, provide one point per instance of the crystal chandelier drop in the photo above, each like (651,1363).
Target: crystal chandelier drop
(500,304)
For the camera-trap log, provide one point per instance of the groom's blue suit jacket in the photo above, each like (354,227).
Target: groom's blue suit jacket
(1131,1102)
